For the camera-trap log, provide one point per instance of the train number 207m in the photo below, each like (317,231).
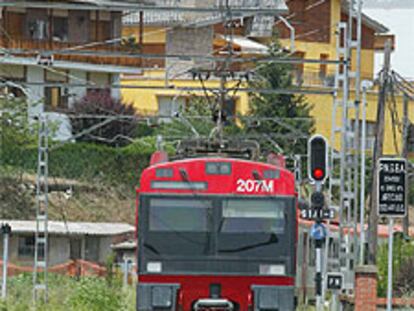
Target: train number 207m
(251,185)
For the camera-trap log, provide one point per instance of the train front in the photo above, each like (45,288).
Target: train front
(216,234)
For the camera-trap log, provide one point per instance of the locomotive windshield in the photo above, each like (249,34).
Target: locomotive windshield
(252,216)
(180,215)
(211,234)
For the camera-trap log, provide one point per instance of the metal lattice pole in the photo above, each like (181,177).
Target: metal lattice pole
(344,162)
(40,286)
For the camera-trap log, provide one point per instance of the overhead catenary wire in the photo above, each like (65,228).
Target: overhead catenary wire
(293,91)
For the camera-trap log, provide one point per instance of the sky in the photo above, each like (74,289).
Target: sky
(398,16)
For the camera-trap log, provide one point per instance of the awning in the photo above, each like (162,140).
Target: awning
(245,45)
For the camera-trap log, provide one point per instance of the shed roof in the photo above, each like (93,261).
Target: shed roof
(366,20)
(71,228)
(175,18)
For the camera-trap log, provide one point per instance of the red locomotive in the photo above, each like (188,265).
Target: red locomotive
(216,233)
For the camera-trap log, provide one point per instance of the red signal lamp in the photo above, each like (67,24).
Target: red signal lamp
(318,174)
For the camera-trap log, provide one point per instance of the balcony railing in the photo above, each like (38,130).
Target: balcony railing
(321,80)
(24,47)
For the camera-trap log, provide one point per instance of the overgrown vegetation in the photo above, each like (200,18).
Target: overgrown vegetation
(105,177)
(69,294)
(403,267)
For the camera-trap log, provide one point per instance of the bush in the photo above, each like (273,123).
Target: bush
(91,162)
(403,252)
(93,294)
(100,103)
(67,294)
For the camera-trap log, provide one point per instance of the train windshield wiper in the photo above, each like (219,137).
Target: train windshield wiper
(272,240)
(152,248)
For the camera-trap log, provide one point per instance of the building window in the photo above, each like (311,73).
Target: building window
(54,99)
(38,29)
(299,68)
(16,92)
(323,68)
(60,29)
(26,247)
(92,248)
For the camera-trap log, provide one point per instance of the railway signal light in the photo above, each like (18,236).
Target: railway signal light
(318,158)
(317,200)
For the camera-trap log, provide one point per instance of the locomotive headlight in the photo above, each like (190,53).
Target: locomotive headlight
(272,269)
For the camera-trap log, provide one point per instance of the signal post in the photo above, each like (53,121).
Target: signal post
(317,173)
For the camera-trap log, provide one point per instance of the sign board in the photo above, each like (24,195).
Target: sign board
(334,281)
(45,59)
(315,214)
(392,187)
(318,232)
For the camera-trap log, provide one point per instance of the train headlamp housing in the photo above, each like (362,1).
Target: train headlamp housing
(157,296)
(273,297)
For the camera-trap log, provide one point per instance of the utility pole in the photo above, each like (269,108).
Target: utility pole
(404,155)
(5,230)
(378,149)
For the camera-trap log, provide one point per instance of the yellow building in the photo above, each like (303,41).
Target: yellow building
(315,38)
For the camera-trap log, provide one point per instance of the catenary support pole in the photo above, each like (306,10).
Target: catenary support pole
(378,149)
(390,259)
(5,229)
(404,155)
(365,87)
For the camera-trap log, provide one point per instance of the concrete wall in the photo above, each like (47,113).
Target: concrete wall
(188,41)
(76,77)
(36,93)
(146,100)
(116,80)
(59,249)
(104,248)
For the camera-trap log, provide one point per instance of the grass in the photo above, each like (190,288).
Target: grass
(69,294)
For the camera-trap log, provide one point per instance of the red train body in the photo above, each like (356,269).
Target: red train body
(216,234)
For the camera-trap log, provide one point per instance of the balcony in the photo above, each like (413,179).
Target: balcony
(31,48)
(316,79)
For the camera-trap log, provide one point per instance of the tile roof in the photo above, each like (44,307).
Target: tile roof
(174,18)
(71,228)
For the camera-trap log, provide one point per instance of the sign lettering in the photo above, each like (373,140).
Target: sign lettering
(391,187)
(252,185)
(335,281)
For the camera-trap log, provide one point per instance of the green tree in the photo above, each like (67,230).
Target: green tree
(15,135)
(291,122)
